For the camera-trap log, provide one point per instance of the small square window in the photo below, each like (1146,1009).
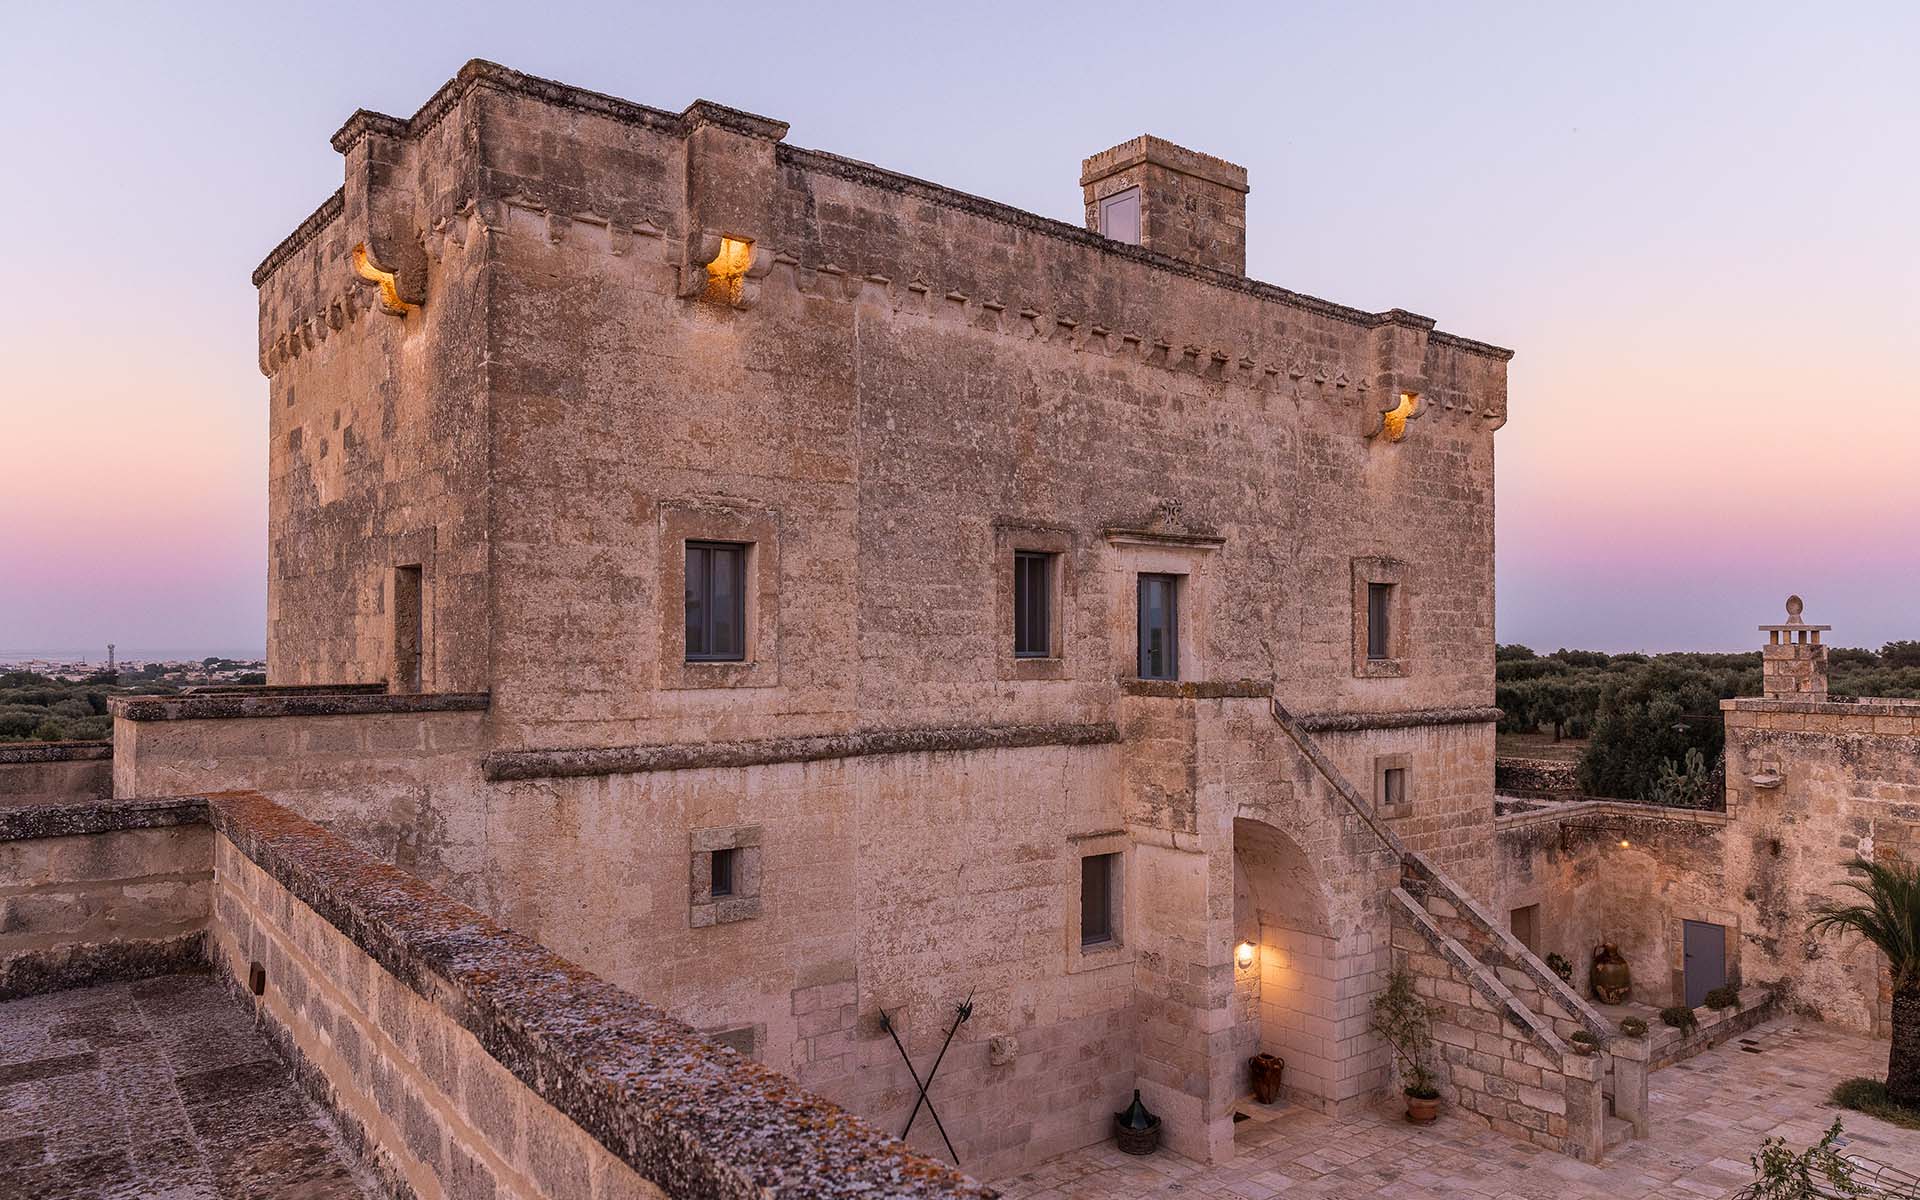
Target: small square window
(1032,604)
(1120,216)
(1379,618)
(716,602)
(1096,898)
(723,864)
(1393,785)
(1159,627)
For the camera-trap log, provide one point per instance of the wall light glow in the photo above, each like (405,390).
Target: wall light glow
(1243,954)
(1394,424)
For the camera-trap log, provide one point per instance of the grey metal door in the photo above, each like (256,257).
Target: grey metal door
(1706,965)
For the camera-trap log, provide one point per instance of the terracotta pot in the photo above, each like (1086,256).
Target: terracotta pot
(1267,1071)
(1610,977)
(1423,1110)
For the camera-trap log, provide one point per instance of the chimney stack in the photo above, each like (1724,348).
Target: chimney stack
(1793,663)
(1174,201)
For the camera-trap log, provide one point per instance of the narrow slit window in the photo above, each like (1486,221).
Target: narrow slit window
(1096,898)
(1032,604)
(723,864)
(1394,787)
(1379,618)
(1159,627)
(1120,216)
(408,632)
(716,602)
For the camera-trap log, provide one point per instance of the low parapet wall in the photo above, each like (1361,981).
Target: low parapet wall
(385,771)
(101,891)
(463,1059)
(34,772)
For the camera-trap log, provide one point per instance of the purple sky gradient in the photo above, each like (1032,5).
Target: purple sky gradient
(1695,224)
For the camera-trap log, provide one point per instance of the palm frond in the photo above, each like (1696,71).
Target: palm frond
(1888,914)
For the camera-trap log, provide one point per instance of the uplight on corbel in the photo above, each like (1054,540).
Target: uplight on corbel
(1243,955)
(365,268)
(1393,423)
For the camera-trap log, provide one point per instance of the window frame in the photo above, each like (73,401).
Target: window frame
(1026,565)
(721,871)
(1383,767)
(1379,621)
(1171,630)
(1108,203)
(740,554)
(741,846)
(1397,576)
(1108,872)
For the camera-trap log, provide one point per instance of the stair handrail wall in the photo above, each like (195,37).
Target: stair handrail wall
(1419,867)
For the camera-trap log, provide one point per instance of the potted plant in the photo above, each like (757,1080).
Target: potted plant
(1267,1071)
(1583,1042)
(1406,1022)
(1680,1017)
(1633,1027)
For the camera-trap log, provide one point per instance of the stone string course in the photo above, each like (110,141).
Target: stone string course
(328,702)
(623,760)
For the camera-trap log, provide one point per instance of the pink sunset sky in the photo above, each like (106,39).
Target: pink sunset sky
(1694,223)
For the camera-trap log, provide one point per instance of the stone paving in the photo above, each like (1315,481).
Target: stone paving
(1709,1115)
(159,1088)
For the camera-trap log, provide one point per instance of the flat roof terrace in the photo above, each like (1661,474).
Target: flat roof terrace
(160,1087)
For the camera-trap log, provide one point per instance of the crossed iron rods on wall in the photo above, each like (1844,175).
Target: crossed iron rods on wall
(961,1012)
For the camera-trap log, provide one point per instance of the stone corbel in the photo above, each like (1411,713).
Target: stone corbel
(1399,374)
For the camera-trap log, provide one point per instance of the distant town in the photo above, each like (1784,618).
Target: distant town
(56,696)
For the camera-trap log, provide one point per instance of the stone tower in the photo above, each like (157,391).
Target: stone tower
(1793,662)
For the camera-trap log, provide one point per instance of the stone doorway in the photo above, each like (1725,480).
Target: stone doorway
(1286,998)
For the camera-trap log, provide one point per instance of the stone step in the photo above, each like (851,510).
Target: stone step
(1619,1131)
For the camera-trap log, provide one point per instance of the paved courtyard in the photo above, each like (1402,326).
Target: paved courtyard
(1709,1115)
(159,1088)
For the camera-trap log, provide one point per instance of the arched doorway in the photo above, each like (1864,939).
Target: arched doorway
(1286,1002)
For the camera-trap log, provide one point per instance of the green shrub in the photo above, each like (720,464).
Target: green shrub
(1561,967)
(1723,997)
(1680,1017)
(1633,1027)
(1869,1096)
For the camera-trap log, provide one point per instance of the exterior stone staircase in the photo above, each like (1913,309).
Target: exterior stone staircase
(1505,1021)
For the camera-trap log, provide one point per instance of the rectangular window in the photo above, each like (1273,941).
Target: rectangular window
(1393,787)
(407,629)
(1379,632)
(1120,216)
(1159,627)
(716,602)
(1032,604)
(1096,898)
(723,872)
